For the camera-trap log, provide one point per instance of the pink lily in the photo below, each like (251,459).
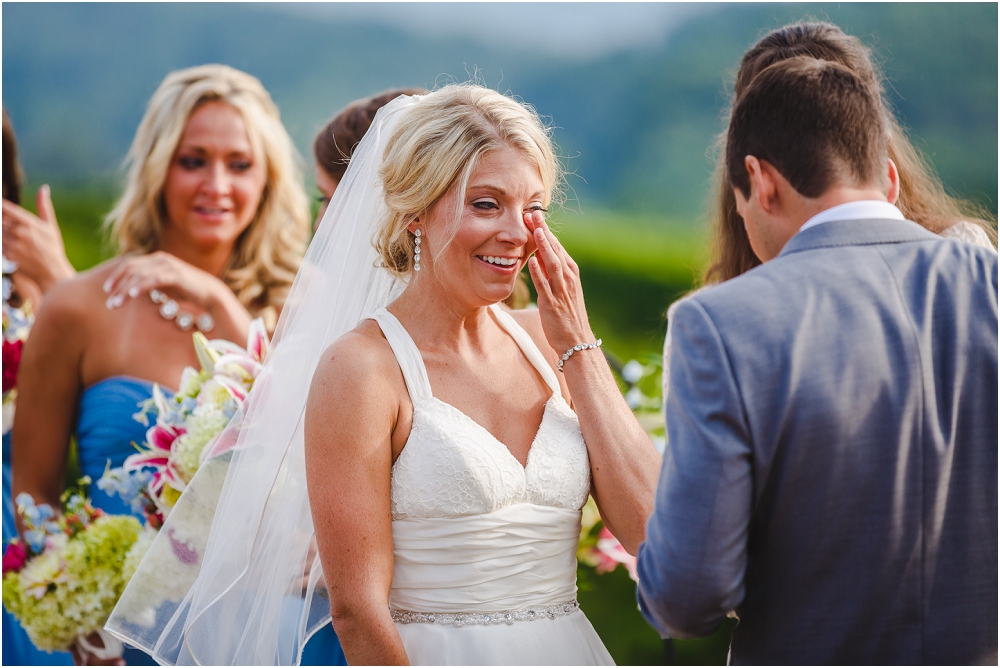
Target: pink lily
(145,459)
(239,367)
(206,355)
(159,400)
(223,347)
(614,554)
(160,438)
(257,341)
(159,481)
(235,388)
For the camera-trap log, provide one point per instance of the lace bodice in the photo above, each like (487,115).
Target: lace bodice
(452,466)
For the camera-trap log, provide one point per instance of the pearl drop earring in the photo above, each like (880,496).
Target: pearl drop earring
(416,250)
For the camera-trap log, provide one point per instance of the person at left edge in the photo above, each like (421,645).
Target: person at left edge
(34,244)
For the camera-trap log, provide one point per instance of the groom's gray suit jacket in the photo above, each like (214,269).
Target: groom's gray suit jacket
(831,469)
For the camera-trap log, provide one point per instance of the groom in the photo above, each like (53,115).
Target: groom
(831,470)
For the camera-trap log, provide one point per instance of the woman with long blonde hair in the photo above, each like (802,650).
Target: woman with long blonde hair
(210,230)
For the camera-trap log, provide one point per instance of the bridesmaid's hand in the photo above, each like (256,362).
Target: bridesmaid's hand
(35,243)
(560,294)
(167,273)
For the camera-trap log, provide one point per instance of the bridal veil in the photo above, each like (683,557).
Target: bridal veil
(230,578)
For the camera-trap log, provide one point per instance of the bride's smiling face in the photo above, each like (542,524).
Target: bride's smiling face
(492,243)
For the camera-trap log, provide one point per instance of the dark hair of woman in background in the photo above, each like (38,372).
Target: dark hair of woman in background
(335,143)
(11,169)
(922,197)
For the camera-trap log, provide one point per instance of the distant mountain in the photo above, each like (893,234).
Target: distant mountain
(637,127)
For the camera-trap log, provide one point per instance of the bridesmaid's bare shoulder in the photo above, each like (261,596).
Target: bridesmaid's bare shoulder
(82,293)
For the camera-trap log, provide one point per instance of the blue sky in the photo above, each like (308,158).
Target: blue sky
(568,29)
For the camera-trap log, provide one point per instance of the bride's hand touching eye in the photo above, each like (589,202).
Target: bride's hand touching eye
(560,294)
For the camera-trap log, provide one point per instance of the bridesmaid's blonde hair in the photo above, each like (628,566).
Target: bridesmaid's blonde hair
(268,253)
(437,145)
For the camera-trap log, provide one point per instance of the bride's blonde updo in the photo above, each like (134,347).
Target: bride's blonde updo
(437,145)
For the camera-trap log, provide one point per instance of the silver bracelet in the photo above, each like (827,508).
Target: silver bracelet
(569,353)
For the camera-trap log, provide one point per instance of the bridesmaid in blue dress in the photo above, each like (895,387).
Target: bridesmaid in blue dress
(211,229)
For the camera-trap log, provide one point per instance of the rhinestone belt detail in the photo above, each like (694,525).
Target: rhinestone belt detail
(485,618)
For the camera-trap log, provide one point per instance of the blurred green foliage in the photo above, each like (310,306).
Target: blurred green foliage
(637,128)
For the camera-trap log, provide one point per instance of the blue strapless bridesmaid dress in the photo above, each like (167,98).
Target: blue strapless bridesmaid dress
(106,431)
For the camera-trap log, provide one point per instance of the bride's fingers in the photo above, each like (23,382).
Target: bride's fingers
(549,258)
(533,219)
(540,280)
(566,262)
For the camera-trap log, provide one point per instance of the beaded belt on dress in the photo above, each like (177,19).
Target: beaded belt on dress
(486,618)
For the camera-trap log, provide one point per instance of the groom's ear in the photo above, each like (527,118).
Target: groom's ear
(763,185)
(893,193)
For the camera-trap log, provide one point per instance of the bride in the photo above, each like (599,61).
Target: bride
(446,459)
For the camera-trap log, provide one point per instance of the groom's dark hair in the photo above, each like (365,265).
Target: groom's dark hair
(815,121)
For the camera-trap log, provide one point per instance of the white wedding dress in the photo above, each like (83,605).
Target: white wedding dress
(485,549)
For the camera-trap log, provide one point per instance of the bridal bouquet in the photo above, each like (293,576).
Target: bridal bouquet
(16,324)
(186,437)
(189,425)
(63,579)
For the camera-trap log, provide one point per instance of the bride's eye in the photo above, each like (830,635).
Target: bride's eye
(537,207)
(485,205)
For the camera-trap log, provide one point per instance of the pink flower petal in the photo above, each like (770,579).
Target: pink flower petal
(145,459)
(238,367)
(257,342)
(235,388)
(161,438)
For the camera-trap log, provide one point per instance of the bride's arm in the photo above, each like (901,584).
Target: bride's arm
(624,464)
(350,417)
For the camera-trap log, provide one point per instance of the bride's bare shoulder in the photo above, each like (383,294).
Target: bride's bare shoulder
(361,359)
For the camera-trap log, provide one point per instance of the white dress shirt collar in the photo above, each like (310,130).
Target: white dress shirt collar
(860,210)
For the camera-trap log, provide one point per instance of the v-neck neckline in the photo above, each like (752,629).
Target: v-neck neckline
(508,325)
(506,448)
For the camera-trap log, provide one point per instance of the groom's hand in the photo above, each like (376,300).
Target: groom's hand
(560,294)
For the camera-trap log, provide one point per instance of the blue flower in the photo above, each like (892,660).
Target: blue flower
(35,539)
(128,485)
